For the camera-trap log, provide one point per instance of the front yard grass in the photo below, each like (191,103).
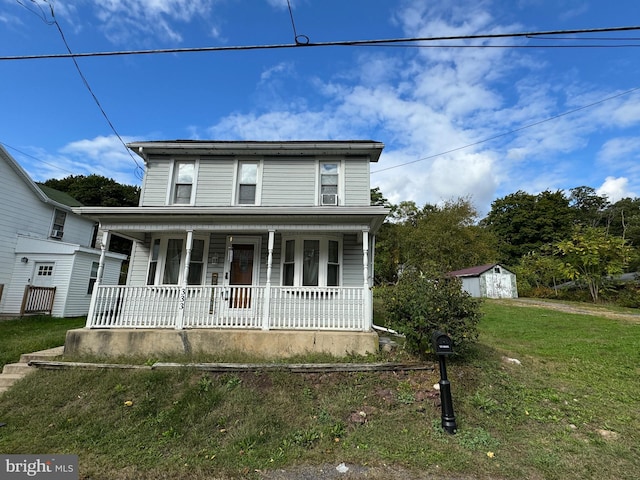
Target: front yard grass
(568,411)
(31,334)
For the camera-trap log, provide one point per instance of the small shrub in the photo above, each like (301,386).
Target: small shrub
(419,305)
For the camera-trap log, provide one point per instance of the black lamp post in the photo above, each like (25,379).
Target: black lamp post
(443,346)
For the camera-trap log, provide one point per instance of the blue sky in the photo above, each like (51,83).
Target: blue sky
(420,102)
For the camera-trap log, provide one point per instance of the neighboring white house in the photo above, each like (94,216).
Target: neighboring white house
(272,240)
(491,281)
(44,244)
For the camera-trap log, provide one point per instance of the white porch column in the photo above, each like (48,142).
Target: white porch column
(104,244)
(267,290)
(185,276)
(366,294)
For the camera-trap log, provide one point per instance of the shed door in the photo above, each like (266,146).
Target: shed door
(498,285)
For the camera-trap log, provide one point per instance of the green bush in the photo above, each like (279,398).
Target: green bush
(420,304)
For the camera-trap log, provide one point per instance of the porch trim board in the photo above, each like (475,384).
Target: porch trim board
(231,307)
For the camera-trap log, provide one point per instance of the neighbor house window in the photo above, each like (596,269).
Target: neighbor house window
(93,276)
(311,262)
(329,176)
(247,183)
(184,175)
(167,258)
(57,230)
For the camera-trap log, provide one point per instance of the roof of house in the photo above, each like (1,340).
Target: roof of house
(60,197)
(272,148)
(474,271)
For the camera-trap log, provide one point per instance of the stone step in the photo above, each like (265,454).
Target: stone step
(42,354)
(8,379)
(20,368)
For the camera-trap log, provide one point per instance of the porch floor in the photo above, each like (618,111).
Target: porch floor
(268,344)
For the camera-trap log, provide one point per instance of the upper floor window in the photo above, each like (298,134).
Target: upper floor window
(247,183)
(329,176)
(184,176)
(311,262)
(57,230)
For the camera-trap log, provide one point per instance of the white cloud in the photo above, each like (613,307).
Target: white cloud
(132,21)
(615,189)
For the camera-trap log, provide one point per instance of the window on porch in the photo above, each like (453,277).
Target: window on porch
(167,258)
(311,262)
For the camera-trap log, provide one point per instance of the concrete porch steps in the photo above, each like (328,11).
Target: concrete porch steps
(12,372)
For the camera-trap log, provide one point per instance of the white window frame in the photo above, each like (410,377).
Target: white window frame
(237,179)
(163,241)
(57,224)
(173,178)
(93,277)
(298,263)
(339,185)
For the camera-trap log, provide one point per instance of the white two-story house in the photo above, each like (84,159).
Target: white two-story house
(47,262)
(260,246)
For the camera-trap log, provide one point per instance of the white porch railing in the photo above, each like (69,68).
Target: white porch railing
(291,308)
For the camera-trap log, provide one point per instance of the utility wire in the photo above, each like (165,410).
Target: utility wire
(457,149)
(346,43)
(37,159)
(139,169)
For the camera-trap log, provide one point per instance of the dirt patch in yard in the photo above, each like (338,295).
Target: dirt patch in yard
(580,309)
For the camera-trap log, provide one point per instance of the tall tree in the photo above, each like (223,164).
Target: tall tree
(97,191)
(589,207)
(523,222)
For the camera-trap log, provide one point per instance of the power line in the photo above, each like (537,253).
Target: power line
(569,112)
(139,168)
(346,43)
(36,158)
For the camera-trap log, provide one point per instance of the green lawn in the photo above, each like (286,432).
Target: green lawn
(569,411)
(31,334)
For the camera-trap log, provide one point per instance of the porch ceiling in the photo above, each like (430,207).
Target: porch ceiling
(255,219)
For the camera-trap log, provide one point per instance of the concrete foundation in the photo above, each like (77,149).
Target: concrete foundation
(271,344)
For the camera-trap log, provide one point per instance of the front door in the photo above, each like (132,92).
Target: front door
(241,275)
(241,271)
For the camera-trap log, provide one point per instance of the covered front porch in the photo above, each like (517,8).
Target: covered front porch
(268,296)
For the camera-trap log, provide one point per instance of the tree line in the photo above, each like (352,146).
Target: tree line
(556,242)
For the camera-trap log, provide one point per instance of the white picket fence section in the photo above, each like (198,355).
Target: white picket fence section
(290,308)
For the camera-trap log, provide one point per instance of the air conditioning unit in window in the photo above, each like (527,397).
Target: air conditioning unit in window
(57,234)
(329,199)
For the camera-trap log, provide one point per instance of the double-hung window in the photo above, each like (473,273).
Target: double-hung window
(167,258)
(57,230)
(184,177)
(311,262)
(329,180)
(247,183)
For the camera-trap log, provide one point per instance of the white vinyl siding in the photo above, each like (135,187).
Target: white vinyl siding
(352,261)
(356,176)
(215,182)
(157,175)
(288,181)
